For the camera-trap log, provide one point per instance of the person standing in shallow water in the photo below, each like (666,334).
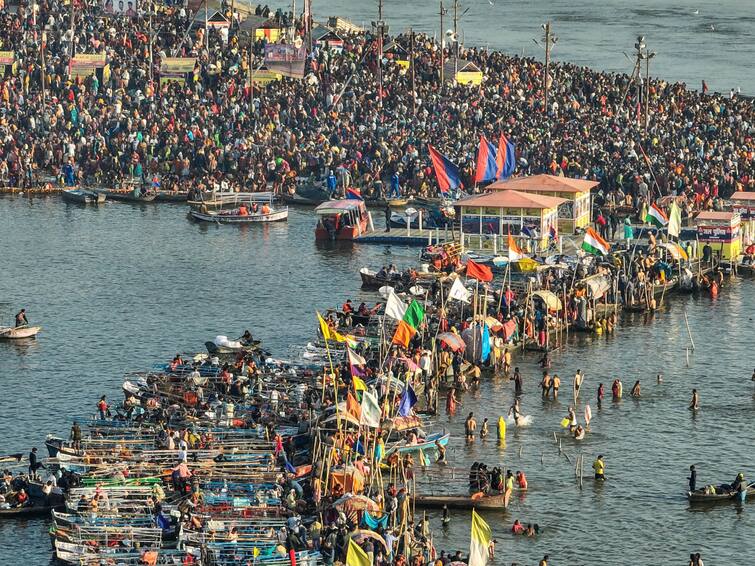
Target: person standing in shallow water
(694,403)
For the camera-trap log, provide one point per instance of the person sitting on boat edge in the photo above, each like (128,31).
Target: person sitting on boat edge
(21,319)
(265,208)
(243,210)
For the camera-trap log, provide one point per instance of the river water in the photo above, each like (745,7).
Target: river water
(592,33)
(119,287)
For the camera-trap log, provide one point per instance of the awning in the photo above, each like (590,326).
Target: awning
(675,250)
(598,285)
(525,264)
(339,206)
(550,299)
(453,341)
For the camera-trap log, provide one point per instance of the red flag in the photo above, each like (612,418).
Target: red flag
(479,272)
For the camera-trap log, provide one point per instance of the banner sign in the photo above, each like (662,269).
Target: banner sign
(717,233)
(288,60)
(84,65)
(176,68)
(128,8)
(7,57)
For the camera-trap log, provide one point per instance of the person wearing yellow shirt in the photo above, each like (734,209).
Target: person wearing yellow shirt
(600,468)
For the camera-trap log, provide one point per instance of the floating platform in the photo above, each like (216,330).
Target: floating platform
(401,237)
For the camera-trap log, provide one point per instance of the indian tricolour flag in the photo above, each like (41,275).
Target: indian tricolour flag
(656,216)
(515,252)
(594,244)
(407,326)
(480,541)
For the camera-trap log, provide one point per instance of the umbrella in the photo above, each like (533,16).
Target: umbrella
(349,503)
(551,301)
(493,323)
(453,341)
(359,535)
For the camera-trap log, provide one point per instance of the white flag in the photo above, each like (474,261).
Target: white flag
(370,410)
(395,307)
(674,225)
(459,292)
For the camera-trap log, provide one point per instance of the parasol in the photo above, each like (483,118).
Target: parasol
(453,341)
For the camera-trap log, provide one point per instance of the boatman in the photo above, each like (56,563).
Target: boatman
(21,319)
(600,468)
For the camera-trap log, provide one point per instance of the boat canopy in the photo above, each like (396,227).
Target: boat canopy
(598,285)
(549,298)
(339,207)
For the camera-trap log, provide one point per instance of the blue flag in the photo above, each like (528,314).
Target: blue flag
(485,351)
(408,400)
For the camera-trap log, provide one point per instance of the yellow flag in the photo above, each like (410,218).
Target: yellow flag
(355,556)
(479,542)
(359,385)
(324,328)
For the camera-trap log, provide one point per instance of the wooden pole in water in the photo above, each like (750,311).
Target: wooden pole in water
(689,332)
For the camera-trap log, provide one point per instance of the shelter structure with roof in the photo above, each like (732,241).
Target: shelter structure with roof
(327,38)
(721,230)
(488,219)
(574,213)
(743,203)
(214,18)
(462,71)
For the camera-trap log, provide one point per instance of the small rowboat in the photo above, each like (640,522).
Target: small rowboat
(129,195)
(460,501)
(18,332)
(428,445)
(25,512)
(78,196)
(231,217)
(370,280)
(700,496)
(172,196)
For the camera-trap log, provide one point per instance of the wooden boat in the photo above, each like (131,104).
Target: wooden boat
(370,280)
(233,217)
(428,445)
(228,200)
(27,512)
(79,196)
(345,219)
(700,496)
(172,196)
(18,332)
(128,195)
(460,501)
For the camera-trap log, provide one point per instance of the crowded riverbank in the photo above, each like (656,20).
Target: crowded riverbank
(512,373)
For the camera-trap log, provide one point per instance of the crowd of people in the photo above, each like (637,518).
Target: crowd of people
(214,130)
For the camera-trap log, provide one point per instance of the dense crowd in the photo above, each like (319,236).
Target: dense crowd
(214,131)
